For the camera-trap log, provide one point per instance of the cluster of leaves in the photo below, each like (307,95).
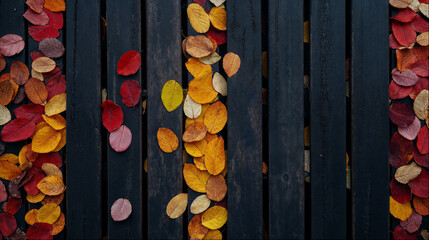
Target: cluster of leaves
(409,111)
(206,117)
(39,123)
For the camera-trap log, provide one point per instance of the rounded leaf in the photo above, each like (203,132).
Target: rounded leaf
(406,173)
(43,65)
(401,211)
(410,132)
(421,205)
(5,116)
(36,91)
(120,139)
(171,95)
(17,130)
(129,63)
(19,72)
(56,105)
(400,192)
(51,185)
(231,63)
(112,116)
(215,117)
(195,132)
(195,229)
(177,205)
(200,204)
(401,114)
(167,140)
(39,231)
(195,178)
(220,84)
(216,188)
(121,209)
(36,18)
(201,89)
(51,47)
(199,46)
(421,105)
(130,93)
(49,213)
(7,224)
(45,140)
(215,156)
(198,18)
(215,217)
(11,44)
(218,18)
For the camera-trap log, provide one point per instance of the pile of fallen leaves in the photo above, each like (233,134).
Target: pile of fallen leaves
(409,111)
(39,126)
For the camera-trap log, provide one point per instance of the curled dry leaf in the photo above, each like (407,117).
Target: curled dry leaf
(49,213)
(51,47)
(112,116)
(5,116)
(43,65)
(201,89)
(120,139)
(412,224)
(401,114)
(421,105)
(36,18)
(167,140)
(196,67)
(200,204)
(129,63)
(195,132)
(130,92)
(198,18)
(220,84)
(56,105)
(50,169)
(17,130)
(215,217)
(51,185)
(401,211)
(36,91)
(410,132)
(171,95)
(407,173)
(406,78)
(216,188)
(218,18)
(19,72)
(196,149)
(195,229)
(55,5)
(215,156)
(199,46)
(11,44)
(45,140)
(177,205)
(121,209)
(215,117)
(191,108)
(231,64)
(195,178)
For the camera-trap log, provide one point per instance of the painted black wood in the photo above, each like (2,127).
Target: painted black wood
(83,216)
(164,56)
(245,121)
(328,119)
(370,119)
(124,169)
(286,119)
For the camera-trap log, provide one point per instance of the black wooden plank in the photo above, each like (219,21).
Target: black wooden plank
(124,169)
(164,56)
(328,120)
(370,119)
(83,216)
(286,119)
(245,121)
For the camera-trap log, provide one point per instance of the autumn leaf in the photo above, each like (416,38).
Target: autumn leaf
(419,186)
(412,224)
(56,19)
(215,117)
(7,224)
(215,217)
(231,64)
(195,228)
(129,63)
(120,139)
(216,188)
(112,116)
(55,5)
(56,121)
(38,33)
(121,209)
(177,205)
(195,178)
(49,213)
(59,225)
(196,149)
(11,44)
(51,185)
(405,33)
(400,210)
(5,116)
(196,67)
(51,47)
(217,35)
(6,93)
(39,231)
(9,171)
(218,18)
(198,18)
(36,18)
(56,105)
(130,92)
(191,108)
(31,217)
(400,3)
(35,5)
(401,114)
(213,235)
(167,140)
(43,65)
(200,204)
(400,192)
(171,95)
(19,72)
(195,132)
(17,130)
(45,140)
(215,156)
(421,205)
(201,89)
(406,173)
(421,105)
(36,91)
(199,46)
(220,84)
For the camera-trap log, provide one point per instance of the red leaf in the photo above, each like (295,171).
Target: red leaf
(401,114)
(397,91)
(3,193)
(32,112)
(55,18)
(423,83)
(112,115)
(405,78)
(401,150)
(121,209)
(419,185)
(11,44)
(405,33)
(56,85)
(31,186)
(13,205)
(130,93)
(20,95)
(400,192)
(405,15)
(17,130)
(7,224)
(36,54)
(52,74)
(2,63)
(421,68)
(217,35)
(200,2)
(35,5)
(120,139)
(421,52)
(421,159)
(39,231)
(410,132)
(401,234)
(412,224)
(39,33)
(129,63)
(420,24)
(36,18)
(53,157)
(51,47)
(393,43)
(423,140)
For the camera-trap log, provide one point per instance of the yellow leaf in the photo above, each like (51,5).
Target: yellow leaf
(49,213)
(215,156)
(56,121)
(195,178)
(196,149)
(62,142)
(58,226)
(35,198)
(306,31)
(31,217)
(46,140)
(218,18)
(215,217)
(201,89)
(56,105)
(10,158)
(9,171)
(199,163)
(400,211)
(198,18)
(200,118)
(167,140)
(215,117)
(213,235)
(51,185)
(171,95)
(55,5)
(23,161)
(196,68)
(39,126)
(195,229)
(177,205)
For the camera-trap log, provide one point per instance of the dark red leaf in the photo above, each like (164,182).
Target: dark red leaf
(11,44)
(112,115)
(35,5)
(55,18)
(405,33)
(393,43)
(129,63)
(421,52)
(405,15)
(53,158)
(3,193)
(32,112)
(36,54)
(401,150)
(423,140)
(130,93)
(420,24)
(56,85)
(412,224)
(400,192)
(13,205)
(17,130)
(36,18)
(2,63)
(52,74)
(7,224)
(14,185)
(31,186)
(401,114)
(421,68)
(39,231)
(217,35)
(51,47)
(419,185)
(406,78)
(17,235)
(39,33)
(401,234)
(200,2)
(424,1)
(20,95)
(397,91)
(423,83)
(421,159)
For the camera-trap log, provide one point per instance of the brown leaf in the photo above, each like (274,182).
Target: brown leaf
(177,205)
(19,72)
(195,228)
(36,91)
(51,47)
(195,132)
(216,188)
(199,46)
(231,63)
(200,204)
(43,65)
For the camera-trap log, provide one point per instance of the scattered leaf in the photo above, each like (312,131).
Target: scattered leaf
(50,169)
(121,209)
(198,18)
(401,150)
(31,217)
(177,205)
(401,114)
(412,224)
(191,108)
(7,224)
(405,33)
(35,5)
(129,63)
(405,15)
(200,204)
(112,115)
(171,95)
(195,132)
(39,231)
(196,67)
(49,213)
(43,65)
(45,140)
(217,35)
(421,205)
(401,234)
(419,185)
(402,211)
(130,92)
(32,112)
(6,93)
(36,18)
(213,235)
(196,149)
(406,78)
(167,140)
(423,140)
(36,91)
(400,192)
(215,217)
(35,198)
(5,116)
(55,5)
(11,44)
(410,132)
(201,89)
(220,84)
(59,225)
(120,139)
(215,117)
(231,64)
(421,105)
(55,19)
(406,173)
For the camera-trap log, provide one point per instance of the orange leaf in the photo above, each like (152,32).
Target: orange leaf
(36,91)
(195,132)
(218,18)
(6,93)
(31,217)
(199,163)
(195,229)
(9,171)
(58,226)
(215,156)
(196,68)
(51,185)
(198,46)
(231,64)
(195,178)
(167,140)
(215,117)
(201,89)
(46,140)
(216,188)
(421,205)
(406,58)
(56,121)
(55,5)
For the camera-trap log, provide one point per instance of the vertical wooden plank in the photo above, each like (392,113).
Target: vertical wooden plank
(370,119)
(124,169)
(164,57)
(83,120)
(245,121)
(286,119)
(328,119)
